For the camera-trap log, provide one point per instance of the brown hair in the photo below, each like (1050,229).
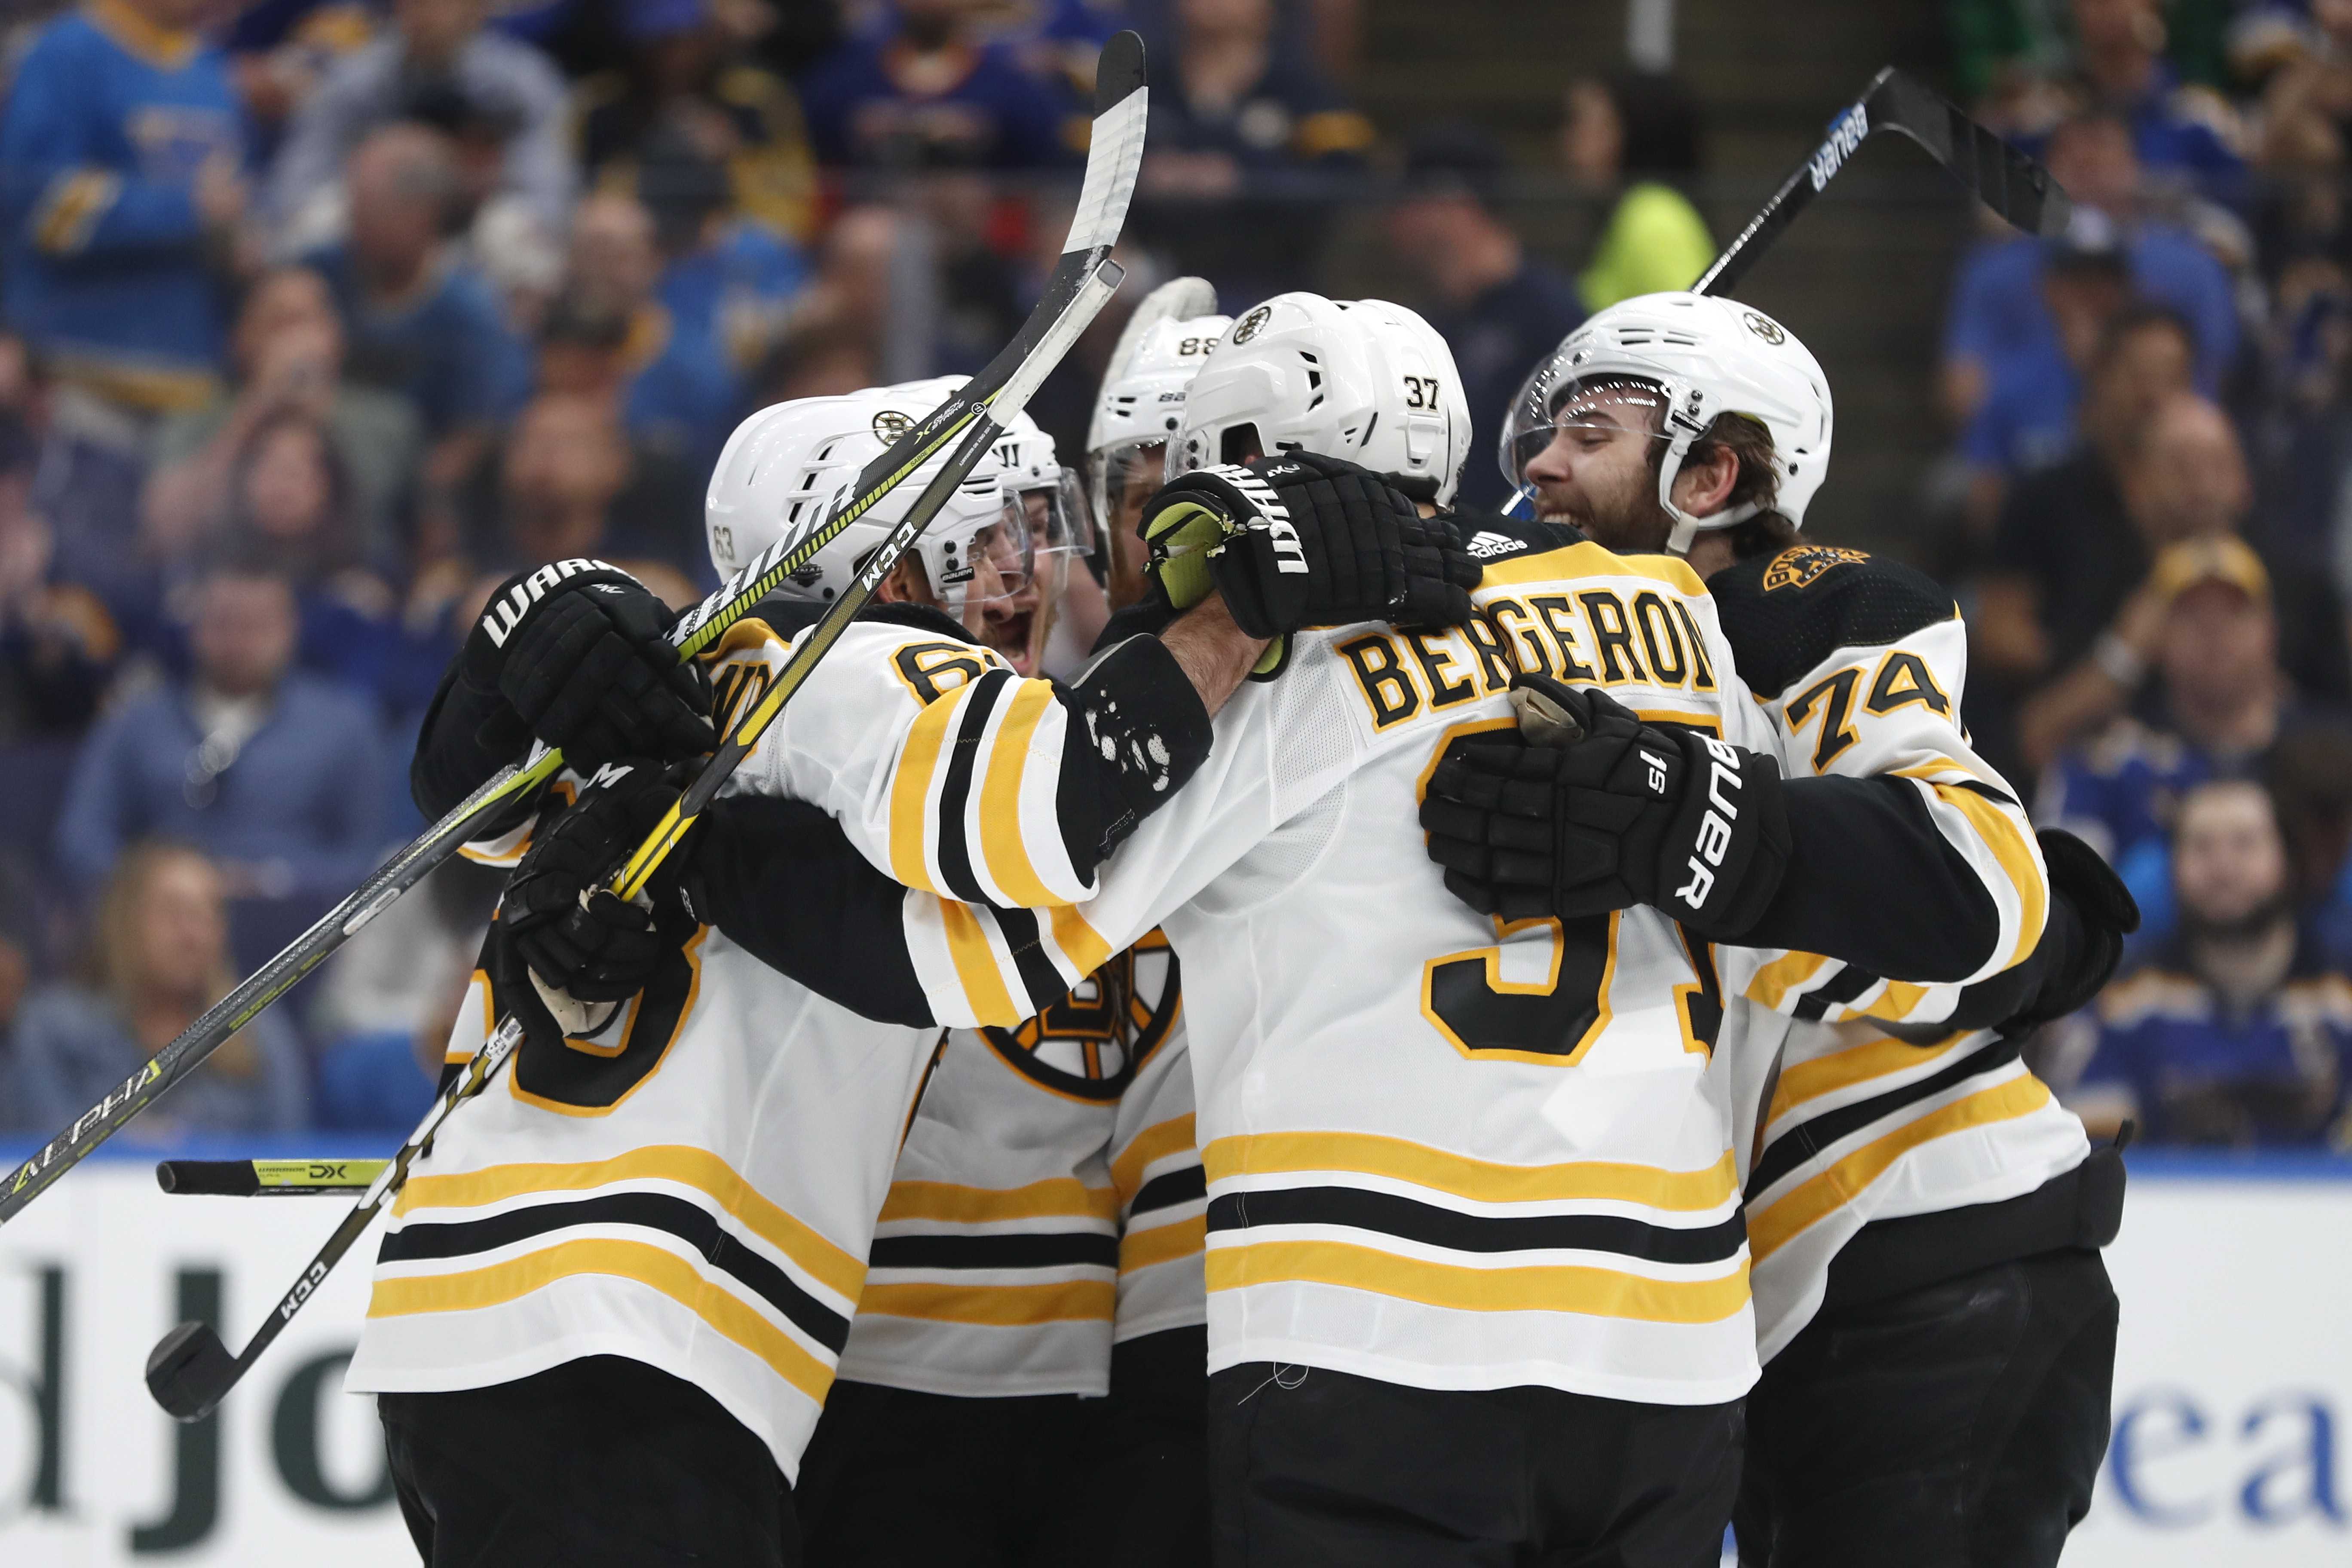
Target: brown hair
(1750,445)
(113,965)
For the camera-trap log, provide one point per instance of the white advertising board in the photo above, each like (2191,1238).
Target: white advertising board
(2234,1377)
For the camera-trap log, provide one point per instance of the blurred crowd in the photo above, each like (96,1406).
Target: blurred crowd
(318,317)
(2148,514)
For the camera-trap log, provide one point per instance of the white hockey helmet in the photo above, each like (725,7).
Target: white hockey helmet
(1140,407)
(1359,379)
(1699,357)
(786,467)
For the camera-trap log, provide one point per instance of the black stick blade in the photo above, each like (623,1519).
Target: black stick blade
(1119,69)
(2012,183)
(189,1372)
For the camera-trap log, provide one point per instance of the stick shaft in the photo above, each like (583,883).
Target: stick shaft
(223,1018)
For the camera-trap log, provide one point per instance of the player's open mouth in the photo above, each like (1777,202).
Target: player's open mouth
(1010,637)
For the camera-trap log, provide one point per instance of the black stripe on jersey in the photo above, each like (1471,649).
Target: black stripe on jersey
(1412,1220)
(1044,983)
(1978,787)
(1844,986)
(689,1223)
(1807,1139)
(955,854)
(1166,1192)
(1017,1249)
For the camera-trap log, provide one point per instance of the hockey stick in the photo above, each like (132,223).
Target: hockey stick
(1063,310)
(2012,185)
(190,1371)
(266,1178)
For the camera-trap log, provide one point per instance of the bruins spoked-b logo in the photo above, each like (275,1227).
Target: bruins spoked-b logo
(1254,323)
(889,425)
(1089,1045)
(1765,327)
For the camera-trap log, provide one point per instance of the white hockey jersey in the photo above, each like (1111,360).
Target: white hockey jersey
(1049,1201)
(1441,1151)
(696,1186)
(1860,665)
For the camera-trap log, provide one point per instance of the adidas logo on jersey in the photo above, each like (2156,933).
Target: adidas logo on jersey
(1714,828)
(1485,545)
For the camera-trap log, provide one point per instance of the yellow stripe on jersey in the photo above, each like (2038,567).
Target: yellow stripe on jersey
(687,1166)
(1543,1288)
(2010,846)
(650,1265)
(975,961)
(1770,1228)
(910,790)
(1778,978)
(1082,944)
(1481,1181)
(1162,1244)
(1173,1136)
(1059,1197)
(1589,560)
(1801,1081)
(996,1306)
(1001,842)
(1896,1003)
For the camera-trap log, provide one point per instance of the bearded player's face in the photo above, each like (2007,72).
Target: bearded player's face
(1595,474)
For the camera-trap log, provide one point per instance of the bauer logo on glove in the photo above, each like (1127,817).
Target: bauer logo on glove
(1587,808)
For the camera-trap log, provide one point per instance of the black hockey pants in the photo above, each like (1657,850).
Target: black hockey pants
(1309,1467)
(599,1463)
(895,1478)
(1959,1425)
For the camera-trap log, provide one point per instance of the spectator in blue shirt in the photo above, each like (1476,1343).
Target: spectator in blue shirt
(677,388)
(431,45)
(120,157)
(1246,134)
(726,278)
(2026,422)
(2205,619)
(2236,1033)
(274,774)
(414,322)
(1499,310)
(2001,328)
(2188,134)
(158,957)
(929,92)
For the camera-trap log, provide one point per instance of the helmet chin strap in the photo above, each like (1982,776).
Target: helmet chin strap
(1687,428)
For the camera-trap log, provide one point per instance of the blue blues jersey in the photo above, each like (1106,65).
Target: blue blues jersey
(106,123)
(997,114)
(2195,1067)
(735,292)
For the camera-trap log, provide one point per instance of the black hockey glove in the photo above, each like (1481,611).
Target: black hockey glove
(577,650)
(1299,541)
(573,932)
(1587,809)
(2090,912)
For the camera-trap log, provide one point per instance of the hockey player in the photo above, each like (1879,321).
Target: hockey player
(612,1297)
(1040,1250)
(1041,1247)
(1476,1275)
(1923,1215)
(1139,409)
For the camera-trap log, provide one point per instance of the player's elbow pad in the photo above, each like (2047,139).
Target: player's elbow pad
(1137,730)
